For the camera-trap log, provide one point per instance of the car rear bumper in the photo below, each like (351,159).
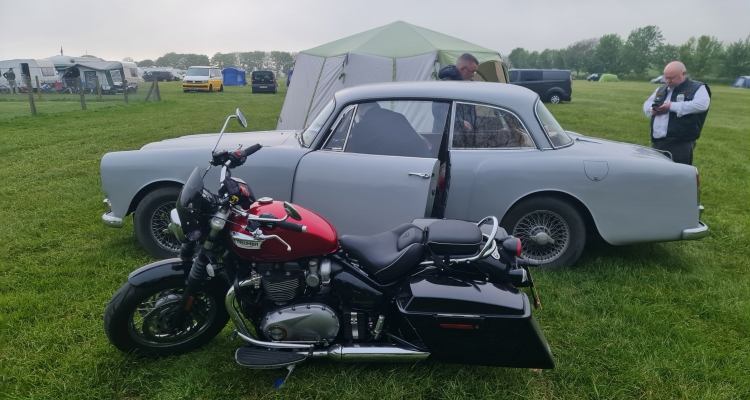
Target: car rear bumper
(108,219)
(695,233)
(269,87)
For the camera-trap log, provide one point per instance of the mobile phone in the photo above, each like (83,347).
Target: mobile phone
(655,105)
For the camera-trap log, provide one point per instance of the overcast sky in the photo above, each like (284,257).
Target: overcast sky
(149,28)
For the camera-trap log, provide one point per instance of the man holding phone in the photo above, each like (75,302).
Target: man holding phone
(677,111)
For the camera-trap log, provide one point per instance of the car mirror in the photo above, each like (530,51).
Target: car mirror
(291,211)
(241,118)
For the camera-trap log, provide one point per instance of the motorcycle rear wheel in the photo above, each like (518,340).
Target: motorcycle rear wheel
(137,318)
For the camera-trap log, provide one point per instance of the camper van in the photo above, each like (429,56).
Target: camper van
(42,68)
(131,73)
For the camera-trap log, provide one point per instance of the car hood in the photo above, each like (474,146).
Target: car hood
(596,148)
(230,141)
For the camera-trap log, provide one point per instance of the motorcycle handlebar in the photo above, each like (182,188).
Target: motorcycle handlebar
(291,226)
(251,150)
(527,261)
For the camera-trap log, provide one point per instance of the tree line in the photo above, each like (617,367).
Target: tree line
(643,49)
(277,61)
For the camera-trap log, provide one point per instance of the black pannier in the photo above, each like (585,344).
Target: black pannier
(453,238)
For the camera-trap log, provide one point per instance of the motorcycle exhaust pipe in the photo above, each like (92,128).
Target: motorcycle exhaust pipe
(370,353)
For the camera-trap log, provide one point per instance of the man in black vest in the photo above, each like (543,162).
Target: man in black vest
(678,111)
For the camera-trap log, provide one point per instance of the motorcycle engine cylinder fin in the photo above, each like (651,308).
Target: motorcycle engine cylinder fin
(282,282)
(302,322)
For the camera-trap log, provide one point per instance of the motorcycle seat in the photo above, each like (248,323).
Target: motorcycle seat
(387,255)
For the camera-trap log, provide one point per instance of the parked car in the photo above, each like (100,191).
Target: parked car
(593,77)
(164,76)
(742,82)
(263,81)
(552,85)
(377,156)
(659,79)
(202,78)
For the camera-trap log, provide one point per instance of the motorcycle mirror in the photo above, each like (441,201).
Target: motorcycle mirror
(291,211)
(241,118)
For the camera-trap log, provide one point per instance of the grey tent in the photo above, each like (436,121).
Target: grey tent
(392,53)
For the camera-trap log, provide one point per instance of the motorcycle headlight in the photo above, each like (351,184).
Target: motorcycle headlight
(175,226)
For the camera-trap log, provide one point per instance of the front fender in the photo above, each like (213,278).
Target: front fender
(157,271)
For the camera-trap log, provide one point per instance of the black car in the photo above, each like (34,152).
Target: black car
(552,85)
(594,77)
(263,82)
(149,76)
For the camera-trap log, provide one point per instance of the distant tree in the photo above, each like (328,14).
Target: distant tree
(224,60)
(558,59)
(637,50)
(532,59)
(181,61)
(736,59)
(283,61)
(127,59)
(686,52)
(146,63)
(708,56)
(518,58)
(579,56)
(545,59)
(663,54)
(252,60)
(608,53)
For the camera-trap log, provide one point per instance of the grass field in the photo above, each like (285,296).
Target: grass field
(657,321)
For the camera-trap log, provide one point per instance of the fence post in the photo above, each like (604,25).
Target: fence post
(157,94)
(31,95)
(150,90)
(38,88)
(98,90)
(80,91)
(125,90)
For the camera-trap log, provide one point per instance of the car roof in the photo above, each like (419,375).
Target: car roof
(483,92)
(263,71)
(201,66)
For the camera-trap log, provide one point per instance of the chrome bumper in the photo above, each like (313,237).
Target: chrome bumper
(695,233)
(108,219)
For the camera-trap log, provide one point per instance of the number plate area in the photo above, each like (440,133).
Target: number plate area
(264,87)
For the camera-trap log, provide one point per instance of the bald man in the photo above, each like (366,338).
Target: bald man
(677,111)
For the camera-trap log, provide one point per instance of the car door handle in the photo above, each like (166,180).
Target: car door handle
(421,175)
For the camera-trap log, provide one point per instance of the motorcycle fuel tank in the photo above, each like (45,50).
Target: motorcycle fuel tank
(320,238)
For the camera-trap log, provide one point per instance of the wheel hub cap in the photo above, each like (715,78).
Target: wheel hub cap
(544,235)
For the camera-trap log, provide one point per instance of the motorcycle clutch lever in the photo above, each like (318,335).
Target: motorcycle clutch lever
(260,236)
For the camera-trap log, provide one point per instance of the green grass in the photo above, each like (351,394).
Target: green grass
(656,321)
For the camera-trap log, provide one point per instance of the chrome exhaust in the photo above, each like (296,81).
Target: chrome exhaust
(370,353)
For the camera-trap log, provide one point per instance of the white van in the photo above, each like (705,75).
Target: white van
(42,68)
(132,74)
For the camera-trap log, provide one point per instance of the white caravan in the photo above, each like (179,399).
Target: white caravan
(42,68)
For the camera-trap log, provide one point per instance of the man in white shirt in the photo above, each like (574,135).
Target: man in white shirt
(677,111)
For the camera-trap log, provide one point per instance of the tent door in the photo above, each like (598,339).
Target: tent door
(90,78)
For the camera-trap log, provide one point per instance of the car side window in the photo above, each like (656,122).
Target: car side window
(405,128)
(337,139)
(481,127)
(513,76)
(530,76)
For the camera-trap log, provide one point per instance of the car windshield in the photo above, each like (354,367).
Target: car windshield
(197,72)
(555,132)
(314,128)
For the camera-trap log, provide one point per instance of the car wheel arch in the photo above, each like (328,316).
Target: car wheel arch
(589,221)
(144,191)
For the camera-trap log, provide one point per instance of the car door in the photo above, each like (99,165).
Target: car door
(376,168)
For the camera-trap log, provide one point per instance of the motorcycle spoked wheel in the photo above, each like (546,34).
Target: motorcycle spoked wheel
(137,318)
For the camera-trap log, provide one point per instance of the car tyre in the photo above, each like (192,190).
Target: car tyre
(151,219)
(551,230)
(555,98)
(221,88)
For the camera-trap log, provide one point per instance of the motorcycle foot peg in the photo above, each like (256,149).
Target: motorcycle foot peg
(233,335)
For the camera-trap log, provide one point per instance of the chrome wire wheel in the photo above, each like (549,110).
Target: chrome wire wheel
(150,321)
(545,236)
(159,223)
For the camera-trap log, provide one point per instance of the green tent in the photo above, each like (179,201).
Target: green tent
(392,53)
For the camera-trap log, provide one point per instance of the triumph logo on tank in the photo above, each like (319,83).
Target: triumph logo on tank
(247,244)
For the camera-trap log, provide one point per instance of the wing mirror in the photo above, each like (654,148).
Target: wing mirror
(291,211)
(241,118)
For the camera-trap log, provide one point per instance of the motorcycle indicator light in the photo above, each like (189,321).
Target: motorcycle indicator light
(519,247)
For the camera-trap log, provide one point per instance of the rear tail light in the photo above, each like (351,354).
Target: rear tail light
(519,247)
(513,246)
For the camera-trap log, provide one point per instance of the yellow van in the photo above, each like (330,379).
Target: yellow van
(201,78)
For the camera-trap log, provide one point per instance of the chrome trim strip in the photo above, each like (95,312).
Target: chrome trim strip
(109,220)
(695,233)
(539,121)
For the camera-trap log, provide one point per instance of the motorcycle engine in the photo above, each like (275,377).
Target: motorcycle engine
(308,322)
(282,282)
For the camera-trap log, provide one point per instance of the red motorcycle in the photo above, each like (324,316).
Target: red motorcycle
(444,289)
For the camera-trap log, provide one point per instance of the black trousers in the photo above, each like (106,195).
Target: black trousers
(682,150)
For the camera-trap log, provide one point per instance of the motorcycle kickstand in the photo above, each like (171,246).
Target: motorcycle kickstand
(283,381)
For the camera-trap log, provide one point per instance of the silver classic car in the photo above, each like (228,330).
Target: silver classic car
(380,155)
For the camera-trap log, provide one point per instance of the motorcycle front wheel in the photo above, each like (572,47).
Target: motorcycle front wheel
(138,318)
